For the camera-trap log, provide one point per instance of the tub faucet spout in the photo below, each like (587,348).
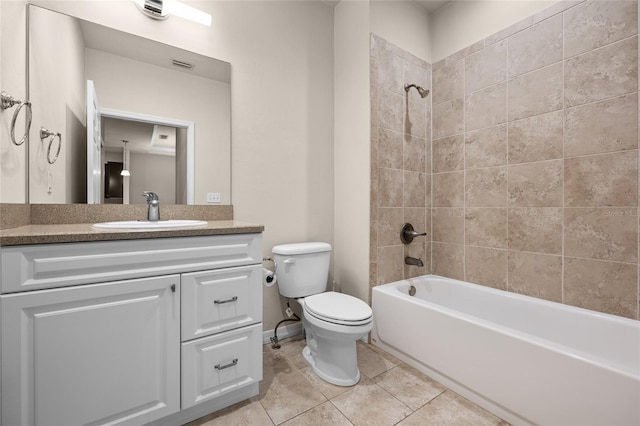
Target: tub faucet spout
(413,261)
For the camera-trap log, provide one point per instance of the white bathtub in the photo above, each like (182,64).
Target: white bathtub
(524,359)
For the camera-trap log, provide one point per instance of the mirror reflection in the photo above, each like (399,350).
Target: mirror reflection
(141,88)
(139,155)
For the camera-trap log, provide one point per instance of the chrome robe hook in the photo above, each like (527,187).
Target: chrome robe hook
(45,133)
(7,101)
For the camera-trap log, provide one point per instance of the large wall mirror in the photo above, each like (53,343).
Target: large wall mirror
(123,102)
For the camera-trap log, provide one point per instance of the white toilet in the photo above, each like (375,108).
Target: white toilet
(332,321)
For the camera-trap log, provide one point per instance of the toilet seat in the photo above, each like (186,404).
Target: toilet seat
(338,308)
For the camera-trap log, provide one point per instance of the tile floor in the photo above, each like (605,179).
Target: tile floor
(389,393)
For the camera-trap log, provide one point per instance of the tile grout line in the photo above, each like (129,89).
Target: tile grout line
(405,117)
(605,99)
(506,67)
(376,87)
(340,411)
(390,394)
(464,167)
(564,131)
(526,163)
(430,148)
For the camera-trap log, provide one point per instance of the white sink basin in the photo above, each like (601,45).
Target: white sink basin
(144,224)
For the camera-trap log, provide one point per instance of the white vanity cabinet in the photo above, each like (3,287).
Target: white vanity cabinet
(92,354)
(215,360)
(119,332)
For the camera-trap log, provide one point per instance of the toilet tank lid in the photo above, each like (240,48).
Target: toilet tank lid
(301,248)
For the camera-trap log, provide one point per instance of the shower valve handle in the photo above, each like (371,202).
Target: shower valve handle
(407,234)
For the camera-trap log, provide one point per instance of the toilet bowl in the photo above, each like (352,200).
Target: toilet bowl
(332,321)
(331,339)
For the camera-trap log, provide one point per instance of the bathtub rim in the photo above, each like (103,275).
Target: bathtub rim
(390,289)
(512,295)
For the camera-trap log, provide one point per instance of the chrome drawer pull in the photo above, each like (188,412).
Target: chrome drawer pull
(220,302)
(231,364)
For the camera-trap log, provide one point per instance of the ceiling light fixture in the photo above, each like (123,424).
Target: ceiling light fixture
(161,9)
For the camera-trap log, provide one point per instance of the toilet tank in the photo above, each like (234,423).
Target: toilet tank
(302,268)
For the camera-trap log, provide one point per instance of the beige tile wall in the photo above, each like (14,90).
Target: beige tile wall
(535,160)
(400,162)
(530,183)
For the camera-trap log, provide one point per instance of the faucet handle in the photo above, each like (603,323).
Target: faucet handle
(153,202)
(407,234)
(151,197)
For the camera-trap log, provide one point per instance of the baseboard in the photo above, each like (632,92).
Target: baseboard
(205,408)
(283,332)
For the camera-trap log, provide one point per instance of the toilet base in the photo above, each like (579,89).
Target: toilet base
(331,350)
(350,381)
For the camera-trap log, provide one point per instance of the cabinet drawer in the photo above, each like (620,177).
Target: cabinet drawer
(215,365)
(58,265)
(220,300)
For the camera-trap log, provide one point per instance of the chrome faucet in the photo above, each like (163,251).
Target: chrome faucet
(153,201)
(413,261)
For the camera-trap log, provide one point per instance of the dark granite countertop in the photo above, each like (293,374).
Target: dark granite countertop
(83,232)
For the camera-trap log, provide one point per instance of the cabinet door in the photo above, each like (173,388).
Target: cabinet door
(97,354)
(220,300)
(215,365)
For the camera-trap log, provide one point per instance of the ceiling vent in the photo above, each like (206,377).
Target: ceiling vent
(182,64)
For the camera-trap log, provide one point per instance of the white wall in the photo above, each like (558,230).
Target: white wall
(181,166)
(460,23)
(406,25)
(162,92)
(352,147)
(57,91)
(151,172)
(167,93)
(281,55)
(403,23)
(288,164)
(13,81)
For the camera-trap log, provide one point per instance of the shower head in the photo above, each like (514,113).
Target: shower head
(423,92)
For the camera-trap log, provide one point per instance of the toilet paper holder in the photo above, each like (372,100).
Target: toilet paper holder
(271,276)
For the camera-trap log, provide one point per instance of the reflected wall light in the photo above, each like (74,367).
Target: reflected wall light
(125,170)
(161,9)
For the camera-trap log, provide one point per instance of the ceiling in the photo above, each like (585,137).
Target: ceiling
(430,5)
(152,52)
(141,137)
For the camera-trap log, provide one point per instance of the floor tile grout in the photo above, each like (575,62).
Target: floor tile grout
(355,405)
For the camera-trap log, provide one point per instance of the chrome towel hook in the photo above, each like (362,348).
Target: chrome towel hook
(44,133)
(7,101)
